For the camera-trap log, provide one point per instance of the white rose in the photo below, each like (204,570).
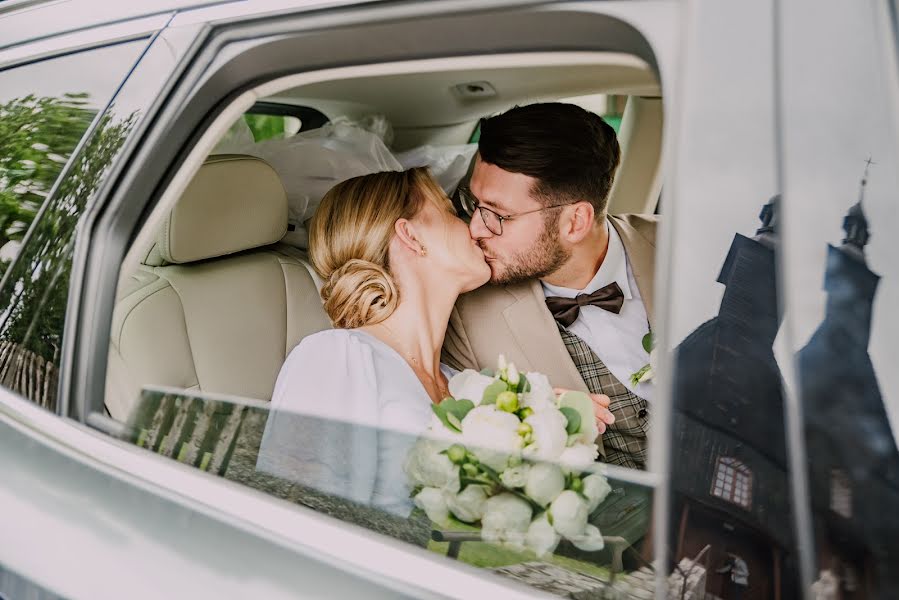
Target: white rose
(506,520)
(545,482)
(541,395)
(578,458)
(431,501)
(468,505)
(491,435)
(549,435)
(590,541)
(541,538)
(569,514)
(469,385)
(596,488)
(515,477)
(426,466)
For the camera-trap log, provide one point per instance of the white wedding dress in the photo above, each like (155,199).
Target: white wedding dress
(345,411)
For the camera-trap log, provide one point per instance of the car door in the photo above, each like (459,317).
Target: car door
(237,52)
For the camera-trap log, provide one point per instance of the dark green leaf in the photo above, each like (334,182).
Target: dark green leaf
(648,342)
(574,419)
(524,386)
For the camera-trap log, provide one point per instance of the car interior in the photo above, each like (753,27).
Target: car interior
(216,289)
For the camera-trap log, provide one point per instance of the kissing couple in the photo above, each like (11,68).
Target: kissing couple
(405,285)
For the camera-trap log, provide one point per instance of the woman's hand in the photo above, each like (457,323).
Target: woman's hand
(604,416)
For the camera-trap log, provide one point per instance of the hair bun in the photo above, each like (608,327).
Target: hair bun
(359,293)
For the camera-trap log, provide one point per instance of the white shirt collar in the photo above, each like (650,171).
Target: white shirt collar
(613,268)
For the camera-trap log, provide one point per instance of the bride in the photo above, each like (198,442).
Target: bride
(394,258)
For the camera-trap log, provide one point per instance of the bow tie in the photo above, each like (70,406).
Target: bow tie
(566,310)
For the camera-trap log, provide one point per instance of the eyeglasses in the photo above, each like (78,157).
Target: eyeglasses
(493,221)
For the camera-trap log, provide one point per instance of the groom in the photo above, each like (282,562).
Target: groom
(572,286)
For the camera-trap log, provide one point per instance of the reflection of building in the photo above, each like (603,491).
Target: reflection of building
(729,480)
(852,456)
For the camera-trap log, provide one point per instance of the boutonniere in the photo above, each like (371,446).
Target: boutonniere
(645,373)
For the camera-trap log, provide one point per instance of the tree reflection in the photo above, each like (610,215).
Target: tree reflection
(35,289)
(37,136)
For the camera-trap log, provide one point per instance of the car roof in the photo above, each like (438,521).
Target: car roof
(23,21)
(26,21)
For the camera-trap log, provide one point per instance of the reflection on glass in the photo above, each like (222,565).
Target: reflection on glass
(322,464)
(45,109)
(35,289)
(731,507)
(37,136)
(853,460)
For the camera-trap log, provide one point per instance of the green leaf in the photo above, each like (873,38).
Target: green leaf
(488,372)
(524,385)
(454,420)
(493,390)
(648,342)
(574,419)
(582,403)
(451,412)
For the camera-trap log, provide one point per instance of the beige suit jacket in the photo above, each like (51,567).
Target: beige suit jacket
(513,319)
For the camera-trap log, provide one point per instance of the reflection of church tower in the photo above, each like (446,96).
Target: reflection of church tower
(852,456)
(729,479)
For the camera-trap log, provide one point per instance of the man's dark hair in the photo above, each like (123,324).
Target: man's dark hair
(571,152)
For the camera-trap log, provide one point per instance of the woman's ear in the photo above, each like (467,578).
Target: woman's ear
(580,222)
(406,235)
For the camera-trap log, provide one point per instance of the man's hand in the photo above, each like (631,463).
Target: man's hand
(604,416)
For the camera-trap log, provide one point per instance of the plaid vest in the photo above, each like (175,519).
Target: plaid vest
(625,440)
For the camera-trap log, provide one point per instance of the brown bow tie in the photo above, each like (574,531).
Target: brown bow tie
(566,310)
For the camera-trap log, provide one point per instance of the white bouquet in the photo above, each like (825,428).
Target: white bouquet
(507,454)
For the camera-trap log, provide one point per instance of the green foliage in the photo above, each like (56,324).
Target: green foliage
(493,391)
(648,342)
(524,386)
(451,412)
(265,127)
(36,289)
(574,419)
(37,136)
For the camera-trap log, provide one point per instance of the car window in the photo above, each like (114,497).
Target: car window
(274,120)
(731,509)
(842,286)
(192,383)
(45,109)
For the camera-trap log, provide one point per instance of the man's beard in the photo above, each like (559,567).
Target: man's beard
(545,257)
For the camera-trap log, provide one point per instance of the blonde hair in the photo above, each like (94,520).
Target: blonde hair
(349,239)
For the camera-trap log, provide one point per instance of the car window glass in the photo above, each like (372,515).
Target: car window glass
(369,476)
(266,127)
(842,267)
(187,389)
(45,109)
(730,517)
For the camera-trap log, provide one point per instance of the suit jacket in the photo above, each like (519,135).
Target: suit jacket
(513,319)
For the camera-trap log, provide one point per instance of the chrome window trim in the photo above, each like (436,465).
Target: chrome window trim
(98,37)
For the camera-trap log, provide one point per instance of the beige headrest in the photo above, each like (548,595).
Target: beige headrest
(234,203)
